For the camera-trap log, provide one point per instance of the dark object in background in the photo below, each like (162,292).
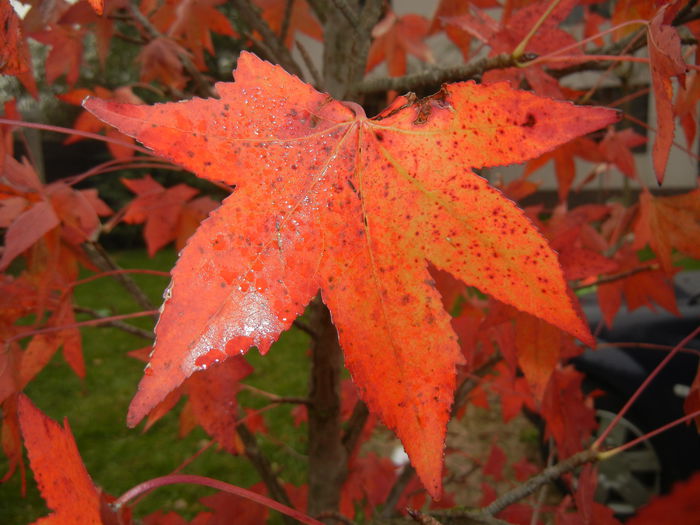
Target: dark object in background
(630,479)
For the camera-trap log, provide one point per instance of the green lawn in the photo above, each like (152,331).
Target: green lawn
(119,458)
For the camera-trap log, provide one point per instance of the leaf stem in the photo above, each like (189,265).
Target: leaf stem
(618,276)
(520,48)
(545,58)
(274,398)
(215,484)
(642,387)
(81,324)
(70,131)
(606,454)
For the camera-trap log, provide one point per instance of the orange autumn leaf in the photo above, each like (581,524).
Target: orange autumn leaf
(668,223)
(328,199)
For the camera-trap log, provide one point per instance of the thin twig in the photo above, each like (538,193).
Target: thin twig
(301,325)
(262,465)
(601,439)
(520,48)
(275,398)
(104,261)
(278,51)
(421,518)
(334,515)
(308,61)
(347,11)
(355,426)
(320,9)
(547,475)
(618,276)
(284,28)
(151,484)
(684,13)
(81,324)
(124,327)
(397,489)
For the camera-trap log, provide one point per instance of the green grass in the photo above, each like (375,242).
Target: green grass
(118,458)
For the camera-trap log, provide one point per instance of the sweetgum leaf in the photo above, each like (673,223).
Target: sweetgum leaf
(328,199)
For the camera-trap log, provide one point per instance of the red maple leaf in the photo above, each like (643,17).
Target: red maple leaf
(565,163)
(643,288)
(570,420)
(58,469)
(328,199)
(616,149)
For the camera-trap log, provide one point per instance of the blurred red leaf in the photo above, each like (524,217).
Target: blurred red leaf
(159,208)
(666,61)
(395,37)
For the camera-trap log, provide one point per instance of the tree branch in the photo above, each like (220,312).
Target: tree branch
(279,52)
(347,11)
(315,75)
(547,475)
(356,423)
(435,77)
(262,465)
(320,9)
(284,28)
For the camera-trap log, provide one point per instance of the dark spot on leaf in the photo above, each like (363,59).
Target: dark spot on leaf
(379,136)
(530,121)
